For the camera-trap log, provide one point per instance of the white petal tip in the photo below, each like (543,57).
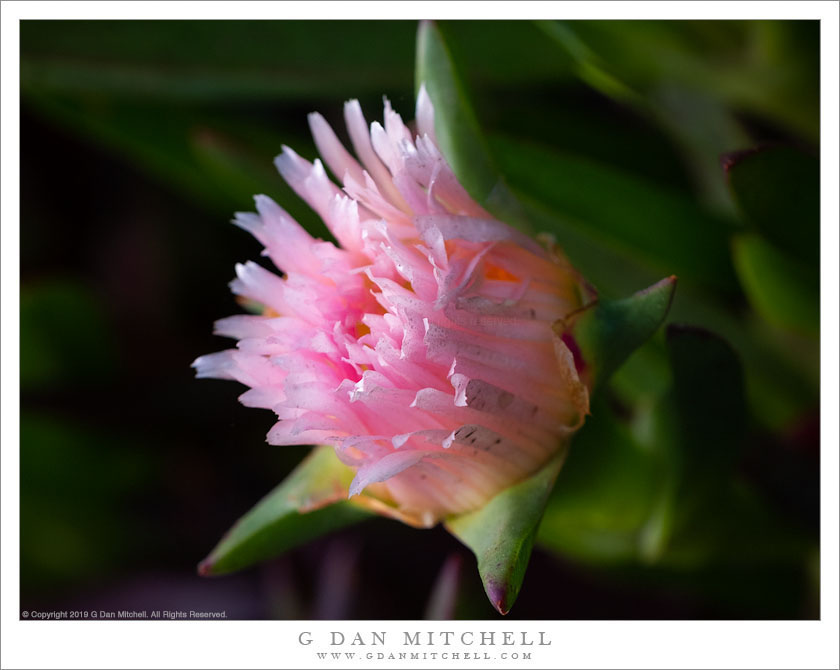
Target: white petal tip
(355,488)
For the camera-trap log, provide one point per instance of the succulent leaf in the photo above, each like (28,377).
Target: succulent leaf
(310,502)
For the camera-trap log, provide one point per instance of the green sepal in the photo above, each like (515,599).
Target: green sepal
(603,334)
(501,534)
(310,502)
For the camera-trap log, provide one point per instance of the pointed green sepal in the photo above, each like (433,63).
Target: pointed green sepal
(310,502)
(501,534)
(604,334)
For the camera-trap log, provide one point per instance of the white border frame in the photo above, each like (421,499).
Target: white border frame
(265,644)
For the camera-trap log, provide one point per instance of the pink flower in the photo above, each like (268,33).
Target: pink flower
(422,347)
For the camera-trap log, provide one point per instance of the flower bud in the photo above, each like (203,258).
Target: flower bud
(421,346)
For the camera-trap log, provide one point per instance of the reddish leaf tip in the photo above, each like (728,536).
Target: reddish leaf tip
(205,568)
(667,281)
(730,160)
(497,594)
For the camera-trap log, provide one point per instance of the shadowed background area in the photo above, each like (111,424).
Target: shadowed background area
(140,139)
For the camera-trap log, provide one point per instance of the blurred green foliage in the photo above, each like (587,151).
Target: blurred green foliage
(76,481)
(65,334)
(609,136)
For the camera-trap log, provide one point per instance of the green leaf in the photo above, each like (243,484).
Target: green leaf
(699,427)
(604,334)
(778,191)
(643,377)
(616,209)
(456,125)
(216,161)
(785,292)
(233,61)
(707,513)
(504,52)
(769,68)
(501,534)
(309,503)
(597,510)
(709,390)
(589,67)
(703,128)
(673,73)
(663,490)
(216,60)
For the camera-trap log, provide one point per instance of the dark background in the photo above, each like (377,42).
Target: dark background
(138,142)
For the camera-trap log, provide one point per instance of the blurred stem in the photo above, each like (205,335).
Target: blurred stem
(444,596)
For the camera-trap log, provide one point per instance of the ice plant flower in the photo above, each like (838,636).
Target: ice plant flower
(421,345)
